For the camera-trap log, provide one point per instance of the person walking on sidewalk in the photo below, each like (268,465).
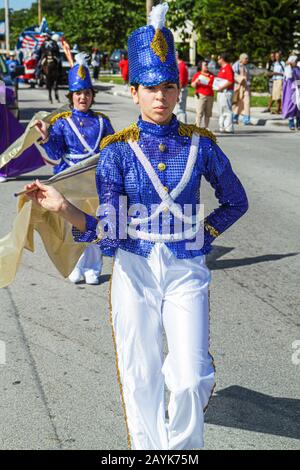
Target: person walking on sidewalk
(183,83)
(278,75)
(160,279)
(96,63)
(225,94)
(241,94)
(291,93)
(202,81)
(123,66)
(270,70)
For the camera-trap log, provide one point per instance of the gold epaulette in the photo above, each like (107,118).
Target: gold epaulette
(188,130)
(98,113)
(64,115)
(129,133)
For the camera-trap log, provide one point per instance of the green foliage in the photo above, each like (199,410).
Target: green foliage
(235,26)
(260,84)
(106,24)
(102,23)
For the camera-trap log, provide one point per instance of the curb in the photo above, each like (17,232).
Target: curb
(255,121)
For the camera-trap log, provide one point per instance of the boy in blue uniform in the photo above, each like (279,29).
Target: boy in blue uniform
(151,171)
(74,136)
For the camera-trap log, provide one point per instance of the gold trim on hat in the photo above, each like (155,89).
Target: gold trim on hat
(81,72)
(160,45)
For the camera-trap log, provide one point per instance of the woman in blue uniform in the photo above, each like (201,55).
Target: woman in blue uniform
(148,180)
(74,136)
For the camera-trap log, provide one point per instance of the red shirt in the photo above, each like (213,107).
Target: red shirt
(201,88)
(123,65)
(226,72)
(183,74)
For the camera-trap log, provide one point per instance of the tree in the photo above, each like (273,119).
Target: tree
(235,26)
(105,23)
(102,23)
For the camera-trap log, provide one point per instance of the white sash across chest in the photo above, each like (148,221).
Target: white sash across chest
(90,151)
(167,199)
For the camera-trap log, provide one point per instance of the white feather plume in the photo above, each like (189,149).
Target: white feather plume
(157,17)
(81,58)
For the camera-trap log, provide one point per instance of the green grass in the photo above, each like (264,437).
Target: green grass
(111,79)
(260,101)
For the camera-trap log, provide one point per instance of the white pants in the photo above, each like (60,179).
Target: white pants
(91,259)
(149,295)
(224,101)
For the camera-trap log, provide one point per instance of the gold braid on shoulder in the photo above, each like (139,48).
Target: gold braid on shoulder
(129,133)
(188,130)
(63,115)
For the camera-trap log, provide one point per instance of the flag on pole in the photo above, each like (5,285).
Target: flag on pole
(67,51)
(44,28)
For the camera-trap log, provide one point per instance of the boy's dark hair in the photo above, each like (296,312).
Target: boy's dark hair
(224,56)
(70,94)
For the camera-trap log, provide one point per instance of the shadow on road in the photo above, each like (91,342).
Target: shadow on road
(214,263)
(239,407)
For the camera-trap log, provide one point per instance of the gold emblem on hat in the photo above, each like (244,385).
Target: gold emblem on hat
(159,45)
(81,72)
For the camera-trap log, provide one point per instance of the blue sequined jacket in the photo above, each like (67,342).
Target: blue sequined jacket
(63,141)
(120,173)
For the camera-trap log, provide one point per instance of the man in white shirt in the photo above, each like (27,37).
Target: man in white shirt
(278,73)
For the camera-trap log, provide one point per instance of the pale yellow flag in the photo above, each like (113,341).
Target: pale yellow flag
(54,231)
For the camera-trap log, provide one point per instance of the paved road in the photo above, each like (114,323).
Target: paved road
(58,387)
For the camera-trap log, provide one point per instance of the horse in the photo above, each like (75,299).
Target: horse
(50,69)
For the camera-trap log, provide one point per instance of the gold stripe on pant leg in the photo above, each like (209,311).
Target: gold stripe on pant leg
(117,363)
(213,362)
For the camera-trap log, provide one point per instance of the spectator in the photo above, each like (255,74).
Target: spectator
(291,93)
(202,81)
(270,70)
(183,84)
(241,95)
(224,86)
(96,63)
(12,64)
(278,74)
(212,65)
(123,65)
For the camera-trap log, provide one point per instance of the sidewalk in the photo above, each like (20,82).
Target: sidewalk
(258,117)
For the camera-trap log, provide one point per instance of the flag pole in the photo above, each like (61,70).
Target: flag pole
(39,11)
(6,4)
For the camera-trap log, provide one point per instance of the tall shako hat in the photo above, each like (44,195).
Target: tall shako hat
(151,51)
(79,76)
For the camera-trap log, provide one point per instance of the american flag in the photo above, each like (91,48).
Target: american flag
(30,41)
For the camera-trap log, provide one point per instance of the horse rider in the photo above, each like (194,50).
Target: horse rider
(49,47)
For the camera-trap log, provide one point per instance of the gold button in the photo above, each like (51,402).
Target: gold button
(166,189)
(162,147)
(81,123)
(161,166)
